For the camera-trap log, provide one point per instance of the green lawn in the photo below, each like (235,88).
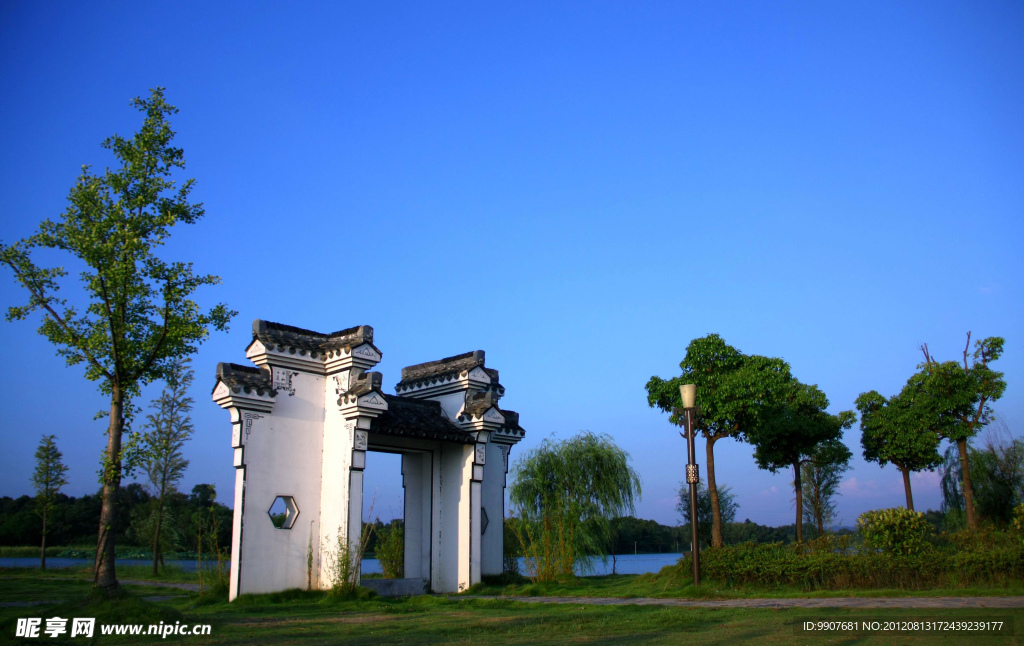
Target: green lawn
(297,617)
(26,588)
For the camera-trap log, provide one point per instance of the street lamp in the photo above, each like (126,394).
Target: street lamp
(688,414)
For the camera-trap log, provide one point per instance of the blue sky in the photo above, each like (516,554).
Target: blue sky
(578,189)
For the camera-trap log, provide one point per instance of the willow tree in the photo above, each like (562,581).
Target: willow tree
(734,390)
(565,494)
(140,317)
(898,431)
(960,396)
(797,432)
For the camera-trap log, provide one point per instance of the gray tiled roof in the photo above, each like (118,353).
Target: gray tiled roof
(432,371)
(243,378)
(421,418)
(315,343)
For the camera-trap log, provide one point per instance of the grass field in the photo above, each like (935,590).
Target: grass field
(298,617)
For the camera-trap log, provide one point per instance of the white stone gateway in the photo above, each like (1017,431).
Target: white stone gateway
(302,421)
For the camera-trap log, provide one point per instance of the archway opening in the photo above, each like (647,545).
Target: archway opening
(384,510)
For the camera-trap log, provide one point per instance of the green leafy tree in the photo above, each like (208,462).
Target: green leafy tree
(726,503)
(565,494)
(998,480)
(793,434)
(734,391)
(167,429)
(899,431)
(820,478)
(140,316)
(960,397)
(47,479)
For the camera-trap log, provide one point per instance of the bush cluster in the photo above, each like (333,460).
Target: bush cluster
(894,531)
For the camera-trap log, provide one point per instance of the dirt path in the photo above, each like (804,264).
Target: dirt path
(834,602)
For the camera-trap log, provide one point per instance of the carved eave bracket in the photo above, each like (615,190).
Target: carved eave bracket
(490,420)
(244,387)
(363,397)
(241,397)
(369,405)
(362,357)
(506,435)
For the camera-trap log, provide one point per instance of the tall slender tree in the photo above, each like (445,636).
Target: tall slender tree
(820,478)
(167,429)
(734,390)
(793,434)
(960,397)
(47,479)
(140,316)
(727,505)
(898,431)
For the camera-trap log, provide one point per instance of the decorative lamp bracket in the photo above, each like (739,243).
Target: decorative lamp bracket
(692,474)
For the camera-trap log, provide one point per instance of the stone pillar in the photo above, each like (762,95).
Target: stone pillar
(416,470)
(493,509)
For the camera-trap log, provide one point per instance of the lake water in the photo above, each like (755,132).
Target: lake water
(625,564)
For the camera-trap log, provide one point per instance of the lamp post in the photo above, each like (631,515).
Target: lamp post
(689,413)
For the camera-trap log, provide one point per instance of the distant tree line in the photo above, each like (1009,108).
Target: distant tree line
(72,521)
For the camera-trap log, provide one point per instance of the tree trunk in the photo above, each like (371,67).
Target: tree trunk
(716,513)
(156,532)
(819,514)
(965,470)
(799,504)
(906,487)
(106,573)
(42,550)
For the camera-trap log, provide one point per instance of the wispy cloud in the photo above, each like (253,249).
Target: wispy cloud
(854,487)
(925,479)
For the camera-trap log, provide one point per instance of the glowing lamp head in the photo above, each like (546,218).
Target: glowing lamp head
(689,395)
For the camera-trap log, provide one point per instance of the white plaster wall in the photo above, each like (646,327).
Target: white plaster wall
(452,403)
(283,456)
(335,470)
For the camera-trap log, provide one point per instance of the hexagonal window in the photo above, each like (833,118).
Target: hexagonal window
(283,512)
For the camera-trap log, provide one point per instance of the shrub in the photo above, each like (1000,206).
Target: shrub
(391,551)
(511,549)
(895,531)
(345,561)
(1018,522)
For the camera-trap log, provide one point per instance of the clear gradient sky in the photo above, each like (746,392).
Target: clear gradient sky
(578,189)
